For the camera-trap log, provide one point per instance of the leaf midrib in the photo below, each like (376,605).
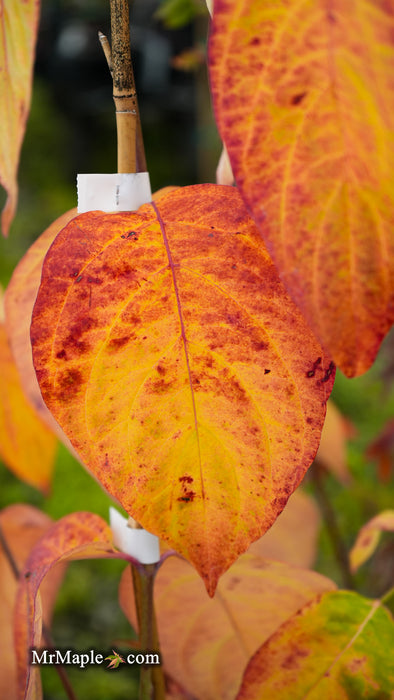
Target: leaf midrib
(184,341)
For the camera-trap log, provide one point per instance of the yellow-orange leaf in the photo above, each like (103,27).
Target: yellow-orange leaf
(340,646)
(180,369)
(18,31)
(27,446)
(21,526)
(76,536)
(304,99)
(19,302)
(207,643)
(369,536)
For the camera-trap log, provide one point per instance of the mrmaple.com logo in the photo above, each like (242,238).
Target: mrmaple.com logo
(69,657)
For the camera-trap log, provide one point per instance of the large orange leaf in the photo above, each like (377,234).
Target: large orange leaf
(340,646)
(21,527)
(27,446)
(18,31)
(76,536)
(19,301)
(304,99)
(207,643)
(182,372)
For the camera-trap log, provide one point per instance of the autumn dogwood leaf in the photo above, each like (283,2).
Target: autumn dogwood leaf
(304,100)
(76,536)
(181,371)
(19,300)
(340,646)
(21,526)
(27,446)
(18,31)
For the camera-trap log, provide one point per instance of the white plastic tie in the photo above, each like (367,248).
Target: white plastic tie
(140,544)
(113,192)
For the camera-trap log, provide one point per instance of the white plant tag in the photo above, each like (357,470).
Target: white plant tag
(140,544)
(113,192)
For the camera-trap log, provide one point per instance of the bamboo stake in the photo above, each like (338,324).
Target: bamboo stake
(131,157)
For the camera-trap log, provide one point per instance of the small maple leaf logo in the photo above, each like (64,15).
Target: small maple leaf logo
(115,659)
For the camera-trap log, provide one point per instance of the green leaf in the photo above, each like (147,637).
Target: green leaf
(340,646)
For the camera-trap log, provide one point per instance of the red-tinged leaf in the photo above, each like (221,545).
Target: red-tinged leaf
(207,643)
(115,659)
(76,536)
(18,31)
(369,536)
(21,526)
(340,646)
(183,374)
(293,536)
(19,302)
(27,446)
(382,450)
(332,449)
(304,100)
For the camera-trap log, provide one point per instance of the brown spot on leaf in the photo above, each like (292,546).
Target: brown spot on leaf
(329,371)
(159,386)
(95,280)
(186,479)
(292,659)
(187,497)
(117,343)
(297,99)
(260,345)
(70,380)
(315,366)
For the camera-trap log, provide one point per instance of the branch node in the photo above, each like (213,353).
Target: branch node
(107,50)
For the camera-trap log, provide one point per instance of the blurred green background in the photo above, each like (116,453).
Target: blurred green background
(72,129)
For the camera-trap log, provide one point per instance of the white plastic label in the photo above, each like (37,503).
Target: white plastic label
(113,192)
(140,544)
